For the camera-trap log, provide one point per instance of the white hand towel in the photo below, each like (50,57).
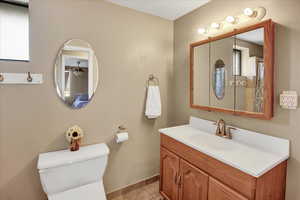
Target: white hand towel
(153,102)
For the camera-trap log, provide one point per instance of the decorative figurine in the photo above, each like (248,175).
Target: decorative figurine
(74,135)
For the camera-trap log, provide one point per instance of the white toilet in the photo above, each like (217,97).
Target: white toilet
(78,175)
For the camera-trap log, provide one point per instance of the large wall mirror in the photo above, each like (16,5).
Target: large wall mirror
(76,73)
(233,73)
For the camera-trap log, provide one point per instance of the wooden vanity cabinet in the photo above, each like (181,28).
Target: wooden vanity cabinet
(187,174)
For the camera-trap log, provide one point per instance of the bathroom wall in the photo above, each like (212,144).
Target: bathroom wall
(285,124)
(129,46)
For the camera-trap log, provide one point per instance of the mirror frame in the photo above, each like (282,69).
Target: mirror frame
(269,35)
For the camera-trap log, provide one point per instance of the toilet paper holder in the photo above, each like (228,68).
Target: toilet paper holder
(121,128)
(122,134)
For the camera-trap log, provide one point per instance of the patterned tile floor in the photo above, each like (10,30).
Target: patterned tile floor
(146,192)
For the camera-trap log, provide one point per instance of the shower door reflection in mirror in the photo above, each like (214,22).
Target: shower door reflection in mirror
(250,81)
(76,73)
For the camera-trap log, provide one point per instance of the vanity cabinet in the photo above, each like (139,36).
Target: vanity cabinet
(188,174)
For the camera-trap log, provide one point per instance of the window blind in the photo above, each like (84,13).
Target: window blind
(14,32)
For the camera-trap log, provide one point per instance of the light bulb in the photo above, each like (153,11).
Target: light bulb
(201,30)
(230,19)
(248,12)
(215,25)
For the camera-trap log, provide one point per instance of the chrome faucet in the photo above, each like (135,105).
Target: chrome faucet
(222,130)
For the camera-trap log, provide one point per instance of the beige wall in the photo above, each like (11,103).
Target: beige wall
(285,124)
(129,46)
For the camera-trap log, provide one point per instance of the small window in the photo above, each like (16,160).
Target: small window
(237,60)
(14,30)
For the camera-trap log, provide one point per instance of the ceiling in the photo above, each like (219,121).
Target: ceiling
(256,36)
(168,9)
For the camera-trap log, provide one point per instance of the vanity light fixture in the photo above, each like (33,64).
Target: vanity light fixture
(230,19)
(202,30)
(249,12)
(215,25)
(248,16)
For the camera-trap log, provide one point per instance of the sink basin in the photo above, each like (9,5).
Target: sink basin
(211,141)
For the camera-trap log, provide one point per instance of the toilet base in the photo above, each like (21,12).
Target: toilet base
(93,191)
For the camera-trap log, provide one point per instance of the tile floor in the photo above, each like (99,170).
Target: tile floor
(145,192)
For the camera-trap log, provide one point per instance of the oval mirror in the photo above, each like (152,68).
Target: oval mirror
(219,79)
(76,73)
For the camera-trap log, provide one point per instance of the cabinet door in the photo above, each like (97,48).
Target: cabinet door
(169,171)
(218,191)
(193,183)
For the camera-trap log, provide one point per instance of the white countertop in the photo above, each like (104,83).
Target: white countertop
(250,152)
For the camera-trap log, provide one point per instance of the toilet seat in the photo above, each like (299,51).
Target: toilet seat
(93,191)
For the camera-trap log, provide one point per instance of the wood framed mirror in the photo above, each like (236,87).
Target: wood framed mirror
(233,72)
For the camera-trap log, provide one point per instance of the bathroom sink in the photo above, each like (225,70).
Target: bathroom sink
(240,152)
(212,141)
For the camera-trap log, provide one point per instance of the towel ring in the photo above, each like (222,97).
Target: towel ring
(152,79)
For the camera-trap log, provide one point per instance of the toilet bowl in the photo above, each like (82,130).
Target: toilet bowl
(78,175)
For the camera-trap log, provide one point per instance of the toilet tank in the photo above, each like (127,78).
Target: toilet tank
(64,170)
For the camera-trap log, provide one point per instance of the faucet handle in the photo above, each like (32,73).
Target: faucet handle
(232,128)
(229,128)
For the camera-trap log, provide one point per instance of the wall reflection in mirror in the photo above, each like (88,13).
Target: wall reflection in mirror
(221,62)
(76,73)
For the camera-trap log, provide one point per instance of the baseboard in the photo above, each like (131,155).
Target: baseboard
(131,187)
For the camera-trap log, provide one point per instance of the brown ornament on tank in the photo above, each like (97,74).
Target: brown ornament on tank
(74,135)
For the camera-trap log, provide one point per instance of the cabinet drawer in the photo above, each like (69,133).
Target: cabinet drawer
(228,175)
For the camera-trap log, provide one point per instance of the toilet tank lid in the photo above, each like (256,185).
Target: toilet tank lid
(65,157)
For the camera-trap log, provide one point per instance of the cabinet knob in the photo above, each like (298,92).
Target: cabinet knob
(175,178)
(179,181)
